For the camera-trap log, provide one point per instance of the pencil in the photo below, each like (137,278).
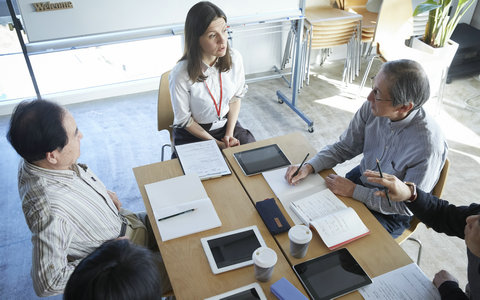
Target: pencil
(300,166)
(177,214)
(385,189)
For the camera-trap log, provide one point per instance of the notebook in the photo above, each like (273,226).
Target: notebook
(316,206)
(181,206)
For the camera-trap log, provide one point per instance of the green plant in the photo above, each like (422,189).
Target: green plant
(440,25)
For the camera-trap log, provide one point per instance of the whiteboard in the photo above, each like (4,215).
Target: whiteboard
(97,21)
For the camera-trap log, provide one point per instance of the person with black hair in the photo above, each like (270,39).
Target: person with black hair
(67,208)
(117,270)
(208,82)
(393,127)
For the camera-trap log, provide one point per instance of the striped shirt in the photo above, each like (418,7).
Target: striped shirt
(69,214)
(413,149)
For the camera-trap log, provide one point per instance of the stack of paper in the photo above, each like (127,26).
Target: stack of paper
(202,158)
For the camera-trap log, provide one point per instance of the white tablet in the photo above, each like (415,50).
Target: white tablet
(252,291)
(232,250)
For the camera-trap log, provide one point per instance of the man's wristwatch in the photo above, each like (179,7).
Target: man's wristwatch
(413,190)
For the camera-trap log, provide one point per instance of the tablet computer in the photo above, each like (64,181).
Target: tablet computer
(332,275)
(261,159)
(232,250)
(252,291)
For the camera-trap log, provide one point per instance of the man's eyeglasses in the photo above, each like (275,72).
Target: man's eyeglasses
(376,91)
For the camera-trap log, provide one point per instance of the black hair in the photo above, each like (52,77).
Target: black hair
(409,82)
(36,127)
(117,270)
(198,19)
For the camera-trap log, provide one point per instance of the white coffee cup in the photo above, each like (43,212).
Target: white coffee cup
(300,237)
(264,260)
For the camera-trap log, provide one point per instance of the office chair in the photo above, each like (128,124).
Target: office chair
(437,191)
(165,110)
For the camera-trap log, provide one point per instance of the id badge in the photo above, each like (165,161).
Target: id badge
(218,124)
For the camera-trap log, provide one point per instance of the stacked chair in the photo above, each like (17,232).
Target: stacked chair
(327,27)
(369,21)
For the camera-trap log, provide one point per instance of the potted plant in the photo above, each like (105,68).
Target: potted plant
(440,24)
(439,28)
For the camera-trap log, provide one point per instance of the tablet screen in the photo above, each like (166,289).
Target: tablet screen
(261,159)
(233,249)
(252,291)
(332,275)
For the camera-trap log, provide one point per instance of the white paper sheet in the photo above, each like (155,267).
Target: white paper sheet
(408,282)
(202,158)
(287,193)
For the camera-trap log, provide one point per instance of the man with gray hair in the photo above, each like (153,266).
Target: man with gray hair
(391,126)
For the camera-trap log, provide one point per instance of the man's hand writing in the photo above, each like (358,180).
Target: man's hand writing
(304,171)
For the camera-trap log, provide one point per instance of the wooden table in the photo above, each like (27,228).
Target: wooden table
(377,253)
(184,258)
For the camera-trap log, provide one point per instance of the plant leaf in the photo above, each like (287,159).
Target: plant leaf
(426,6)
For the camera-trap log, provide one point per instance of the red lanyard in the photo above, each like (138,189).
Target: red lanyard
(217,108)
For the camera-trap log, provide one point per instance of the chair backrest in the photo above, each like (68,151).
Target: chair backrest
(438,188)
(437,191)
(164,107)
(394,23)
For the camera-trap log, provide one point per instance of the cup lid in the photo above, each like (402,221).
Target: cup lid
(300,234)
(264,257)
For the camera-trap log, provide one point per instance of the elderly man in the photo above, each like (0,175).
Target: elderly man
(67,208)
(460,221)
(392,127)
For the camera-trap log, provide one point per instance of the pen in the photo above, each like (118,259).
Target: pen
(177,214)
(296,172)
(385,189)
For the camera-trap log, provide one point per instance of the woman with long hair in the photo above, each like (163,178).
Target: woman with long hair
(208,82)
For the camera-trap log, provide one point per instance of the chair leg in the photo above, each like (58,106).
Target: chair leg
(419,248)
(163,150)
(367,71)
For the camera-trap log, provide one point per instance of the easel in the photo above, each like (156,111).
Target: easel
(18,27)
(297,73)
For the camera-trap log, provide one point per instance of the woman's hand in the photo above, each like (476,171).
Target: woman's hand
(230,141)
(397,190)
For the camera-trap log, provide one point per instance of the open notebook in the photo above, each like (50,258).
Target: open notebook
(310,202)
(181,206)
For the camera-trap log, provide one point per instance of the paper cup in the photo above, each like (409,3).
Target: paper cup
(264,260)
(300,237)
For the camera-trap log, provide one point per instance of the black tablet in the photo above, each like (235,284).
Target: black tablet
(332,275)
(261,159)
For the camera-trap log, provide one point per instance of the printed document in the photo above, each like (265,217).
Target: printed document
(408,282)
(202,158)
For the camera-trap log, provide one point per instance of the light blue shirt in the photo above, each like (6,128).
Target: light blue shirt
(413,149)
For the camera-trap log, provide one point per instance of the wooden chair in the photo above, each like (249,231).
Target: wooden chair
(437,191)
(369,20)
(328,27)
(165,110)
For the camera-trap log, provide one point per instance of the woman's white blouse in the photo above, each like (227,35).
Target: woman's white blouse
(192,101)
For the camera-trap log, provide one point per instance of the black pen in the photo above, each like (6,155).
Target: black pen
(300,166)
(385,189)
(177,214)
